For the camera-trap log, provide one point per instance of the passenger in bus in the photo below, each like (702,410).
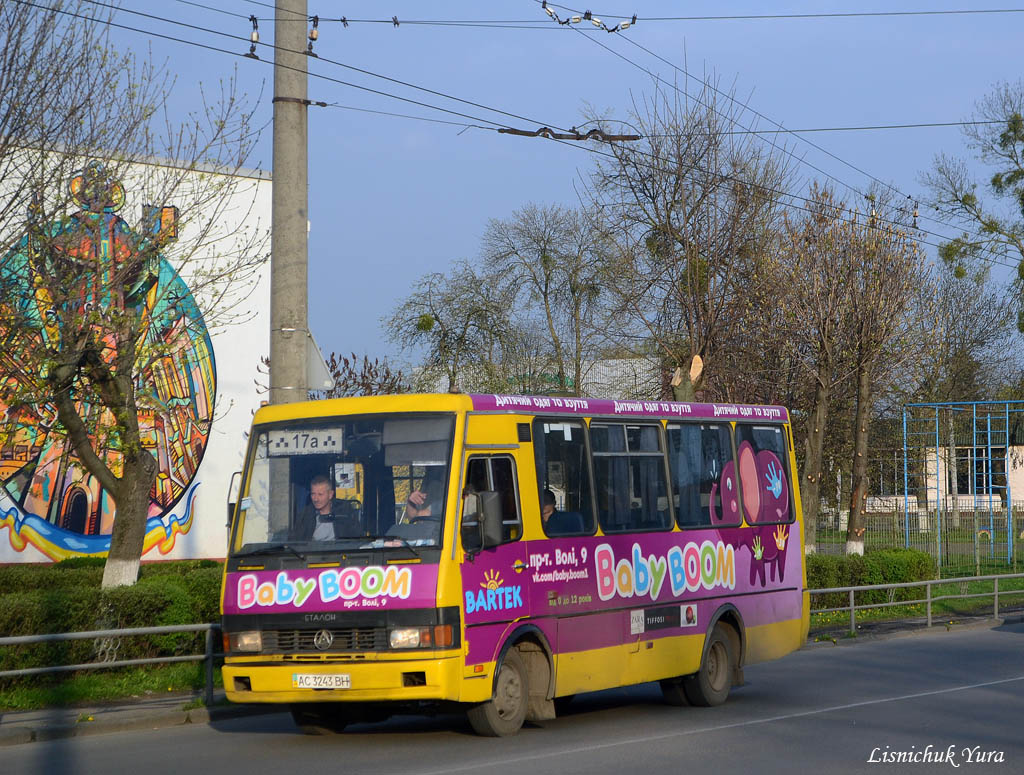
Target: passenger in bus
(324,518)
(558,523)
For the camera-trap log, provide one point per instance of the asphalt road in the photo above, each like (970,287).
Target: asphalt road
(827,709)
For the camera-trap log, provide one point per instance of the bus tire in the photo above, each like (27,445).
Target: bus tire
(710,684)
(504,713)
(313,720)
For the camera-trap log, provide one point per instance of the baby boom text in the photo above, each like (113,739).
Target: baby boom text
(687,568)
(347,583)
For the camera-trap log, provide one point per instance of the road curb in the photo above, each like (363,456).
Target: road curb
(129,718)
(15,736)
(863,636)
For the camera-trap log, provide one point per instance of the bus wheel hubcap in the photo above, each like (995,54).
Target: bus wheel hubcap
(509,694)
(717,666)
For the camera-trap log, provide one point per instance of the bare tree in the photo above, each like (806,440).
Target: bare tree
(686,210)
(123,258)
(888,273)
(353,377)
(816,270)
(548,261)
(458,319)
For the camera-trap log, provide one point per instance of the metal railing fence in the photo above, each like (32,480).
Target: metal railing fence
(968,540)
(207,656)
(852,607)
(210,653)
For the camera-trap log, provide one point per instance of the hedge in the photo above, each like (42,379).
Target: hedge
(66,597)
(885,566)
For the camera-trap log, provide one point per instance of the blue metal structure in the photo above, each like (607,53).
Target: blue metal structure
(981,442)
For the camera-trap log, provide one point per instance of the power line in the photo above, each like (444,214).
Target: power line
(539,24)
(542,24)
(213,8)
(406,115)
(779,149)
(209,47)
(793,205)
(329,61)
(724,179)
(497,23)
(783,129)
(834,15)
(866,128)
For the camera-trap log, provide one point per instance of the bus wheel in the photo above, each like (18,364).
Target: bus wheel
(504,713)
(710,684)
(318,721)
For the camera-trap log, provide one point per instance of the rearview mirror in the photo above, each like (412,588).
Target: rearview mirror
(490,519)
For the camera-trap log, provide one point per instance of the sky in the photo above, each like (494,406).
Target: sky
(394,198)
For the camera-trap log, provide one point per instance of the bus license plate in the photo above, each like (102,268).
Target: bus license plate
(321,681)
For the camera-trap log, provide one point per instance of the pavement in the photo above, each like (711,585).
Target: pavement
(166,710)
(150,712)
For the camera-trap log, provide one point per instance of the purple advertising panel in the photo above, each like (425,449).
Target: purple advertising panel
(642,586)
(369,588)
(592,407)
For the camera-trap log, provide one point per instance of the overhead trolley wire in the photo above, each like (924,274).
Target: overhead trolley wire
(792,205)
(823,15)
(370,73)
(217,49)
(780,128)
(724,178)
(759,114)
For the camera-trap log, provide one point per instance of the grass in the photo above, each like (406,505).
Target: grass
(101,686)
(1011,592)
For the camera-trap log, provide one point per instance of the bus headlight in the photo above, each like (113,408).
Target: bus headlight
(436,636)
(249,640)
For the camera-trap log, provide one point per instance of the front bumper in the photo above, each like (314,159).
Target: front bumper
(374,678)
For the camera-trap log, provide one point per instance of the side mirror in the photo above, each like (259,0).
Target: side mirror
(490,519)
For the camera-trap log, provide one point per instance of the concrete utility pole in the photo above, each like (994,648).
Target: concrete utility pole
(289,315)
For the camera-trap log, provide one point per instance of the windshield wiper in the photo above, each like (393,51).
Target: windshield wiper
(394,542)
(273,550)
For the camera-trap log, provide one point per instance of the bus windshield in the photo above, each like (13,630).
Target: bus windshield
(343,482)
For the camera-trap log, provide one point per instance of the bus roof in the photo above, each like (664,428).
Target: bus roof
(515,404)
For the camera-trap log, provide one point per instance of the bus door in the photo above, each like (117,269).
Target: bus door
(495,580)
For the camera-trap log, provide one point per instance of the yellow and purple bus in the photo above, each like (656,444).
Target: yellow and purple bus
(501,552)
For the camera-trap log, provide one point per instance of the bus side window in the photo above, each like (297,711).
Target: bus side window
(698,455)
(762,463)
(563,471)
(496,474)
(630,466)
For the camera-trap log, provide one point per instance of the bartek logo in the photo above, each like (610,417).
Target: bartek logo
(494,595)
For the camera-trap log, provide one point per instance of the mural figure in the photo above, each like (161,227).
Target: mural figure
(47,497)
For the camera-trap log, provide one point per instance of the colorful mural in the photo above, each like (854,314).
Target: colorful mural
(47,497)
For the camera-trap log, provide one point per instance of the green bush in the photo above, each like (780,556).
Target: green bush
(885,566)
(66,597)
